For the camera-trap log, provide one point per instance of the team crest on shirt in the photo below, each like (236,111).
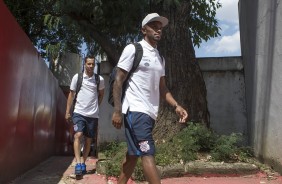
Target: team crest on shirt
(144,146)
(147,64)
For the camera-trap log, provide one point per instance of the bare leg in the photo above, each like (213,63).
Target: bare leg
(86,149)
(127,168)
(150,170)
(77,146)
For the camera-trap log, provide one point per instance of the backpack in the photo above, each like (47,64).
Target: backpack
(78,86)
(137,58)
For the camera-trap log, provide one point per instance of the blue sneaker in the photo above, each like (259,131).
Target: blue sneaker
(78,170)
(83,168)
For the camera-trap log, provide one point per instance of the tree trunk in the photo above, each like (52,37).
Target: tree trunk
(183,75)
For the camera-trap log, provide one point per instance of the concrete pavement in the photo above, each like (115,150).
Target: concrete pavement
(59,170)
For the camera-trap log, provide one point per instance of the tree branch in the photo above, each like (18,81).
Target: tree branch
(96,35)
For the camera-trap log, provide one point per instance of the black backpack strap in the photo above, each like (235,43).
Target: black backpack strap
(79,82)
(78,86)
(137,59)
(138,56)
(97,80)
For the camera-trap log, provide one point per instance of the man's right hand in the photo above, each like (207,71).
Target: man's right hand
(117,120)
(68,117)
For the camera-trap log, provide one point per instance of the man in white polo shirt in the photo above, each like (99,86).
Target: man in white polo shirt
(86,111)
(141,102)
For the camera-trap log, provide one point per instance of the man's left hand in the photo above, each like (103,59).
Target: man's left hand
(182,113)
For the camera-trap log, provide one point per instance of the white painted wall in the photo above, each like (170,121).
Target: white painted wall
(261,35)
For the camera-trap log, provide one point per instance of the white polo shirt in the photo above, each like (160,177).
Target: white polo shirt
(142,94)
(87,97)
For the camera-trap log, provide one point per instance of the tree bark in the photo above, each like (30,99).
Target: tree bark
(183,74)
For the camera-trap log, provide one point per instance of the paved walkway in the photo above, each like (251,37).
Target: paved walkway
(59,170)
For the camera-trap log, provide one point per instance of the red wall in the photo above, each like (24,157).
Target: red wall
(32,126)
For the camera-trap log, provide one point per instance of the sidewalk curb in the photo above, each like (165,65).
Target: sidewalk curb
(196,168)
(207,168)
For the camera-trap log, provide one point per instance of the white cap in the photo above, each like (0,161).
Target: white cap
(154,17)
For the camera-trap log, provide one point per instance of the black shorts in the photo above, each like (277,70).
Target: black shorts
(138,132)
(84,124)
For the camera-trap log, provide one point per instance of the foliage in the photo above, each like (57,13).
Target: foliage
(45,25)
(244,154)
(203,24)
(185,145)
(113,168)
(58,26)
(226,149)
(138,172)
(114,151)
(183,148)
(203,136)
(110,149)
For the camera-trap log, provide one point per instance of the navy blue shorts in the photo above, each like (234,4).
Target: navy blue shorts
(138,132)
(84,124)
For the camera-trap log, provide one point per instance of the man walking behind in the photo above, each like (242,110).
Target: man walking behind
(141,102)
(86,111)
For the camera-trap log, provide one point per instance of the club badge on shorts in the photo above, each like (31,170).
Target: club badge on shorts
(144,146)
(75,127)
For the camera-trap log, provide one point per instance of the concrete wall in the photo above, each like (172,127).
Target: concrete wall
(260,27)
(65,67)
(224,79)
(107,132)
